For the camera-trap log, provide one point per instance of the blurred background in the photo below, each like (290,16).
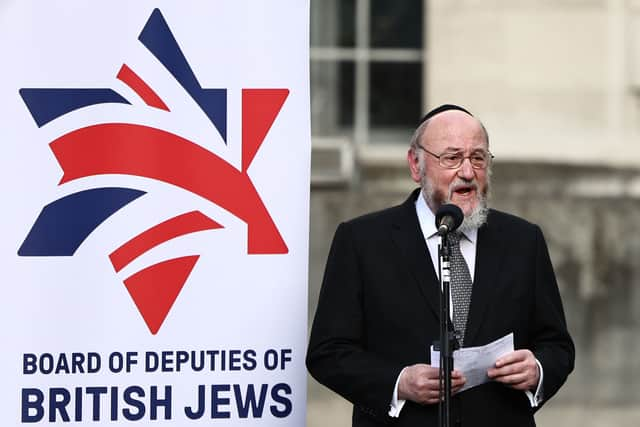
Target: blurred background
(557,84)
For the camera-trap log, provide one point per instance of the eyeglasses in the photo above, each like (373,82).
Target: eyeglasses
(479,159)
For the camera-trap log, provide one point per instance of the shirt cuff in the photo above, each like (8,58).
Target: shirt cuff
(396,404)
(536,399)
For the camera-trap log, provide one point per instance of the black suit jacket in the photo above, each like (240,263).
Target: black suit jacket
(378,312)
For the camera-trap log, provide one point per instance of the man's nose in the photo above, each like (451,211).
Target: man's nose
(466,170)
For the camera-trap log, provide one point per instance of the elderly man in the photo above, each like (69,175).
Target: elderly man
(378,309)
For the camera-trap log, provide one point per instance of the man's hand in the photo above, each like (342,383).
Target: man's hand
(420,383)
(518,370)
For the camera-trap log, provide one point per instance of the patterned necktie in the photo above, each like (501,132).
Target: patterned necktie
(460,286)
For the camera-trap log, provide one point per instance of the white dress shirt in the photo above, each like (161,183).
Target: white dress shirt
(468,244)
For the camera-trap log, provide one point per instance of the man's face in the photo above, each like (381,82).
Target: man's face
(451,132)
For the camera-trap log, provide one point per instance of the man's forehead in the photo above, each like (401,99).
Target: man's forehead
(454,129)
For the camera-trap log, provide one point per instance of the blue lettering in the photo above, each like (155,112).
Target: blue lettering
(197,365)
(167,361)
(116,362)
(276,395)
(155,402)
(151,361)
(63,402)
(114,403)
(29,363)
(78,413)
(130,400)
(93,363)
(60,405)
(285,356)
(74,363)
(256,406)
(62,366)
(194,415)
(249,360)
(234,360)
(46,363)
(182,357)
(271,359)
(32,399)
(217,401)
(132,359)
(96,392)
(77,360)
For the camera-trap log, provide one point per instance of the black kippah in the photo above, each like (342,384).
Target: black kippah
(442,109)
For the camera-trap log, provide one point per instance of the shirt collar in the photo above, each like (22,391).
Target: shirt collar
(427,221)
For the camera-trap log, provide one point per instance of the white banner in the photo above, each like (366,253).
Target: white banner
(155,212)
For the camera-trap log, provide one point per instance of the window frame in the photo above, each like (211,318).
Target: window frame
(362,55)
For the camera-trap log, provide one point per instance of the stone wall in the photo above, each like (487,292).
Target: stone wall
(550,79)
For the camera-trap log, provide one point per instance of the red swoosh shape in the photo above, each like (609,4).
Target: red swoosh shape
(139,86)
(189,222)
(130,149)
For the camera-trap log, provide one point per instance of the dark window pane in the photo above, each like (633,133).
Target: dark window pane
(332,97)
(395,94)
(347,93)
(396,23)
(347,18)
(333,23)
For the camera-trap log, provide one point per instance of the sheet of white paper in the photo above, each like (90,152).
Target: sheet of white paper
(474,362)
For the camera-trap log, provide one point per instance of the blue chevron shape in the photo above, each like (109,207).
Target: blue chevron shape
(158,38)
(46,105)
(64,224)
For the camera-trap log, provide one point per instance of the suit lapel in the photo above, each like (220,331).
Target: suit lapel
(489,251)
(408,237)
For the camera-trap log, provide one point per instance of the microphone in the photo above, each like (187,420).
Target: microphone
(448,218)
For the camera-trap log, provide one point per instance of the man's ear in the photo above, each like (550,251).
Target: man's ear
(414,164)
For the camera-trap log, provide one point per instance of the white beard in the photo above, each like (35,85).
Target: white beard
(475,219)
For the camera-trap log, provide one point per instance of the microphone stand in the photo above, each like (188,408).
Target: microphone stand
(447,337)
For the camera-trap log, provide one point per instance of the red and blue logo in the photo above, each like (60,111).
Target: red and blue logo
(149,152)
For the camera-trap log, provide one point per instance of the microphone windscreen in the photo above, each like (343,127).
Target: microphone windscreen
(450,210)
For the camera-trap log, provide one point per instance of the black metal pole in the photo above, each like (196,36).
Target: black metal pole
(446,336)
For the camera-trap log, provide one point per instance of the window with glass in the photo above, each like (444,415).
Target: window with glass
(367,69)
